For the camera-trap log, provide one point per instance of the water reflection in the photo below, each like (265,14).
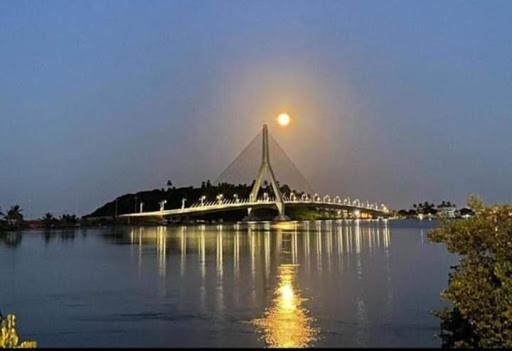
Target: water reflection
(287,323)
(340,283)
(239,265)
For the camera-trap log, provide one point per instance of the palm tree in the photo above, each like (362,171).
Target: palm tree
(14,216)
(49,220)
(70,219)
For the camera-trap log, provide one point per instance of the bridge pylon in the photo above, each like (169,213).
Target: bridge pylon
(266,170)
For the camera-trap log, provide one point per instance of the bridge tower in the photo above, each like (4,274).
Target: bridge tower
(266,170)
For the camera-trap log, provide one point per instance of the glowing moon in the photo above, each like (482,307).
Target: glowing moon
(283,119)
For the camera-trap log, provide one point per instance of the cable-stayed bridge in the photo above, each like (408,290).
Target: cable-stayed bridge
(243,168)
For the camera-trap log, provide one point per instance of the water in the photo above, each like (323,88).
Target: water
(325,283)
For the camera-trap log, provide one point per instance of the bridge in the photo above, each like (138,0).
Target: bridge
(346,207)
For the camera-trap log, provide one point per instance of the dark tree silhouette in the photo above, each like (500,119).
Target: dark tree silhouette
(14,217)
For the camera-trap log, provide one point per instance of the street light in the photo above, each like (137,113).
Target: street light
(202,198)
(162,204)
(237,200)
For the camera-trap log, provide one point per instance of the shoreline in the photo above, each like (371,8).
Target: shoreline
(33,228)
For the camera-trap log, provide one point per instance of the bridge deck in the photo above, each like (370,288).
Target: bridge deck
(241,205)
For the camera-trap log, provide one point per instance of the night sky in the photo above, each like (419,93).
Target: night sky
(391,101)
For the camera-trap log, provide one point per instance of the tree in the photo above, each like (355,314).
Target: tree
(49,220)
(14,217)
(480,285)
(69,219)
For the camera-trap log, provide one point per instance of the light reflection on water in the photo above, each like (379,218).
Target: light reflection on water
(291,284)
(286,321)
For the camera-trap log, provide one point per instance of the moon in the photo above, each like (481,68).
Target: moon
(283,119)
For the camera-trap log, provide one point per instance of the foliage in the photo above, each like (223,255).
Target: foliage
(480,285)
(49,220)
(425,208)
(13,219)
(69,219)
(9,337)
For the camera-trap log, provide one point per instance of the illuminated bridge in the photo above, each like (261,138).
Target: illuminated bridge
(344,207)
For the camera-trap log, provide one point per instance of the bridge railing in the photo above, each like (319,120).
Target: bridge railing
(305,198)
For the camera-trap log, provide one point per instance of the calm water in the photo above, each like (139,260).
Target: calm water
(324,283)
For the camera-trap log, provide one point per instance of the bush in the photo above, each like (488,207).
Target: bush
(480,285)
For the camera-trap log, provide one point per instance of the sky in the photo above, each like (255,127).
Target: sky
(391,101)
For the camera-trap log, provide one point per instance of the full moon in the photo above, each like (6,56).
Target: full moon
(283,119)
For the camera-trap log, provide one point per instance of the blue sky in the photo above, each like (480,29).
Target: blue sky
(393,101)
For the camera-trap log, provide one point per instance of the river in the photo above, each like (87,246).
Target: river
(289,284)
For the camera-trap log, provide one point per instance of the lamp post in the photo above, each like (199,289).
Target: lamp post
(162,204)
(141,206)
(202,198)
(183,203)
(237,200)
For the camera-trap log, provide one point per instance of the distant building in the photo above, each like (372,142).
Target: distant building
(466,212)
(447,211)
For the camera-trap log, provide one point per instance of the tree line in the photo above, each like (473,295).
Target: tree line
(430,209)
(13,219)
